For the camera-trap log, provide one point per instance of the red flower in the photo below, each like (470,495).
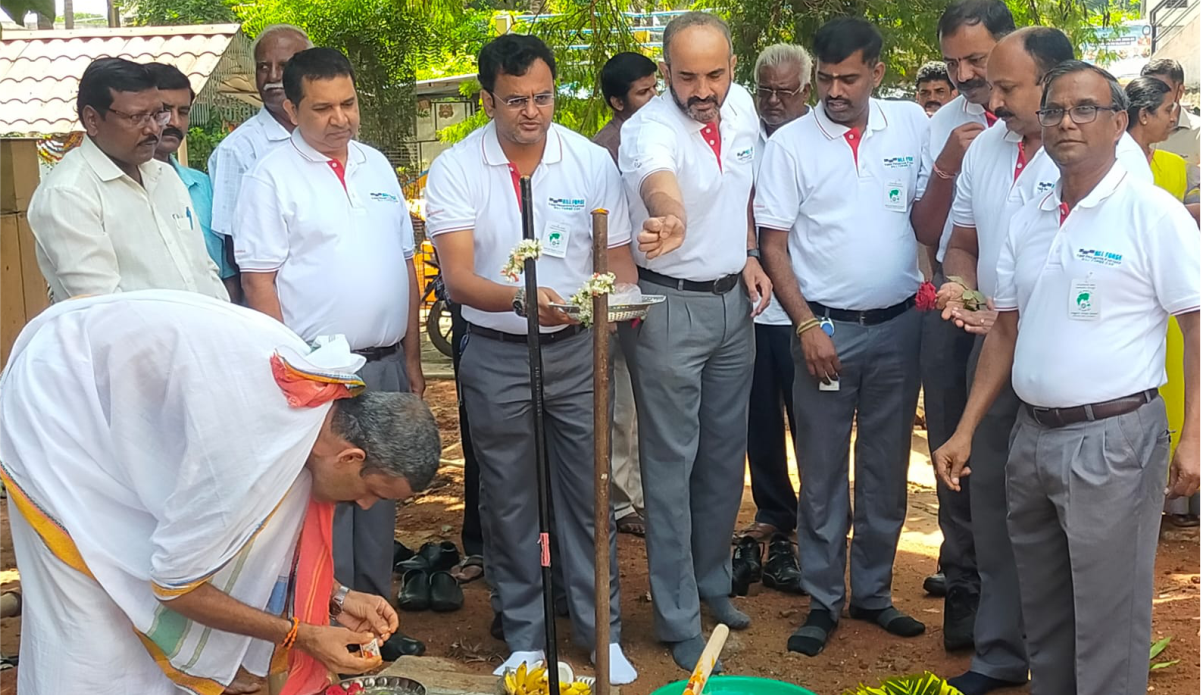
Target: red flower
(927,297)
(355,689)
(336,690)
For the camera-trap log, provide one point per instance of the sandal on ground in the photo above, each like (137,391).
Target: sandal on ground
(469,569)
(632,523)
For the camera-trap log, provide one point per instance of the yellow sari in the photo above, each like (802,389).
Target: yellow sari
(1171,174)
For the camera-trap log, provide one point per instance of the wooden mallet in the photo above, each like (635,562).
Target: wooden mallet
(704,666)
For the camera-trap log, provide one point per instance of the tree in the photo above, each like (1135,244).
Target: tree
(909,28)
(173,12)
(17,9)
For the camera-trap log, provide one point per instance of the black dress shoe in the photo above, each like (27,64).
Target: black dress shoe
(414,590)
(400,554)
(439,555)
(746,566)
(399,644)
(782,571)
(959,619)
(497,629)
(935,585)
(444,592)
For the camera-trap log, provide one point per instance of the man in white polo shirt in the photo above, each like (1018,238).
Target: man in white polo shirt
(1085,282)
(687,159)
(474,216)
(324,240)
(832,185)
(967,32)
(266,130)
(109,217)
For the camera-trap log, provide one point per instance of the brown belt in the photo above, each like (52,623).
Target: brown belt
(1059,417)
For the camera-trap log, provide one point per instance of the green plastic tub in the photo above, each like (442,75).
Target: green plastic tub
(720,684)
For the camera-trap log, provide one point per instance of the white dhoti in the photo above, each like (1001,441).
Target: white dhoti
(148,450)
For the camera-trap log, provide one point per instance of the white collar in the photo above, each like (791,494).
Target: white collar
(494,155)
(271,128)
(1103,190)
(876,120)
(354,154)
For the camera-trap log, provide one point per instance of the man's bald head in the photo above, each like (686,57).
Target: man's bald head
(272,49)
(698,64)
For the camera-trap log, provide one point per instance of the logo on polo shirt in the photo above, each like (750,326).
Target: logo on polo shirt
(745,155)
(386,197)
(1105,258)
(1044,186)
(898,162)
(569,204)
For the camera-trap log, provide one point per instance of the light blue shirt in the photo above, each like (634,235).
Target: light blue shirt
(201,191)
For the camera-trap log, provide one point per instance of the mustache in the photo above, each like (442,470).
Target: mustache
(152,140)
(1002,112)
(273,85)
(932,103)
(171,130)
(836,100)
(694,101)
(978,83)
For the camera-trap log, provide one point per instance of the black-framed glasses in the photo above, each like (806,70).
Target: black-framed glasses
(159,117)
(1085,113)
(781,94)
(519,103)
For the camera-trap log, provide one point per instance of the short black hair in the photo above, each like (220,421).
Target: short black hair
(512,54)
(1145,93)
(1116,94)
(314,64)
(622,71)
(932,72)
(838,39)
(107,75)
(993,14)
(1166,67)
(1048,47)
(168,76)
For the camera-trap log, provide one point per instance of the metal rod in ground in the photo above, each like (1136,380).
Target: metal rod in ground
(540,463)
(601,452)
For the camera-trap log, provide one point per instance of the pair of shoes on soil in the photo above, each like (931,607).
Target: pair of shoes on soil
(759,531)
(959,619)
(746,566)
(811,638)
(782,571)
(975,683)
(427,582)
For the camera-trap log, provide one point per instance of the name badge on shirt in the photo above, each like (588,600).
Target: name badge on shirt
(554,239)
(896,196)
(1083,302)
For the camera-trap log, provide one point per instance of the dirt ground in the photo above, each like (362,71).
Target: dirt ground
(858,652)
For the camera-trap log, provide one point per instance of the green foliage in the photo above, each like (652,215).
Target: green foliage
(909,28)
(202,140)
(456,43)
(384,40)
(925,683)
(1156,648)
(173,12)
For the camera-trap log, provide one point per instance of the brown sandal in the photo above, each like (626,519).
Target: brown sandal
(759,531)
(632,524)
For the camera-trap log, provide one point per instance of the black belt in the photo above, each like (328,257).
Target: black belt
(867,317)
(1059,417)
(373,354)
(546,338)
(718,287)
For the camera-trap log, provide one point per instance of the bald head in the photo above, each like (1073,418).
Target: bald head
(272,49)
(698,64)
(1015,70)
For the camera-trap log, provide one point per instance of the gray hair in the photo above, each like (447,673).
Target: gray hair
(693,19)
(396,431)
(786,54)
(1068,67)
(276,29)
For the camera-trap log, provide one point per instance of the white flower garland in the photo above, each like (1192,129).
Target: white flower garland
(525,249)
(599,284)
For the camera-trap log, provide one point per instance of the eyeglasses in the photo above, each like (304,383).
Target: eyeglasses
(519,103)
(781,94)
(160,117)
(1086,113)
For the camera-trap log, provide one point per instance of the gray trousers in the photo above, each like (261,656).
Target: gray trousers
(691,360)
(363,538)
(999,635)
(878,391)
(1085,503)
(944,366)
(627,474)
(495,378)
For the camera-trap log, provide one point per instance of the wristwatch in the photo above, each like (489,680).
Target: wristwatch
(337,600)
(752,253)
(519,302)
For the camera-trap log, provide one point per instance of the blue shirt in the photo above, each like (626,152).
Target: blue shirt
(201,191)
